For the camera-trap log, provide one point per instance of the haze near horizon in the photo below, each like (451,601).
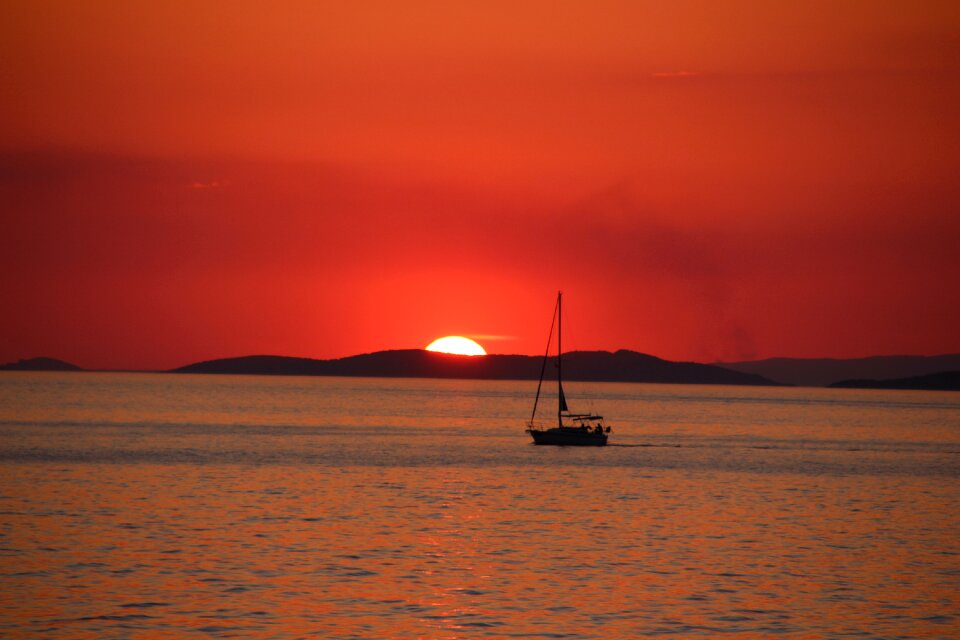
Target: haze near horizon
(704,181)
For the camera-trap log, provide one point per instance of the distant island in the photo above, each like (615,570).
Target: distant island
(598,366)
(822,372)
(39,364)
(942,381)
(877,372)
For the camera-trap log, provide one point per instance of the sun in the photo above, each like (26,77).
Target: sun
(458,345)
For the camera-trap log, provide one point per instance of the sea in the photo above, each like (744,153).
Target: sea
(138,505)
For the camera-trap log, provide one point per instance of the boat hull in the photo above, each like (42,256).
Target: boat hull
(563,437)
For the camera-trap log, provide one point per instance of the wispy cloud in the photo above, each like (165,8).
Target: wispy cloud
(676,74)
(213,184)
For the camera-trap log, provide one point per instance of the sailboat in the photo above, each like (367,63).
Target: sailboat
(573,429)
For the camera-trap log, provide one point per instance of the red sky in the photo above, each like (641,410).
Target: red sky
(704,180)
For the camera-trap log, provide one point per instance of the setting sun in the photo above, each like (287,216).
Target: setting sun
(458,345)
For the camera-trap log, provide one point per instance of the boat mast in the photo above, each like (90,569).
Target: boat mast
(560,399)
(543,367)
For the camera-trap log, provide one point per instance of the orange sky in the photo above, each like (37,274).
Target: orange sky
(705,180)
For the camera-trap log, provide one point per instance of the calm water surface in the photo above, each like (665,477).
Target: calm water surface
(136,505)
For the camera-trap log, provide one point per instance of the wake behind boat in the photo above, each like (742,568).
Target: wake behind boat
(573,429)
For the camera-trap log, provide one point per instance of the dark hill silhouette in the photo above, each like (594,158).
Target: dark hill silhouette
(622,366)
(39,364)
(941,381)
(819,372)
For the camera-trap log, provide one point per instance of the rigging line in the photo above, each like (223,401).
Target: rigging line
(543,367)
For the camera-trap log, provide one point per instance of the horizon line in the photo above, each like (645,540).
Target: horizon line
(478,356)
